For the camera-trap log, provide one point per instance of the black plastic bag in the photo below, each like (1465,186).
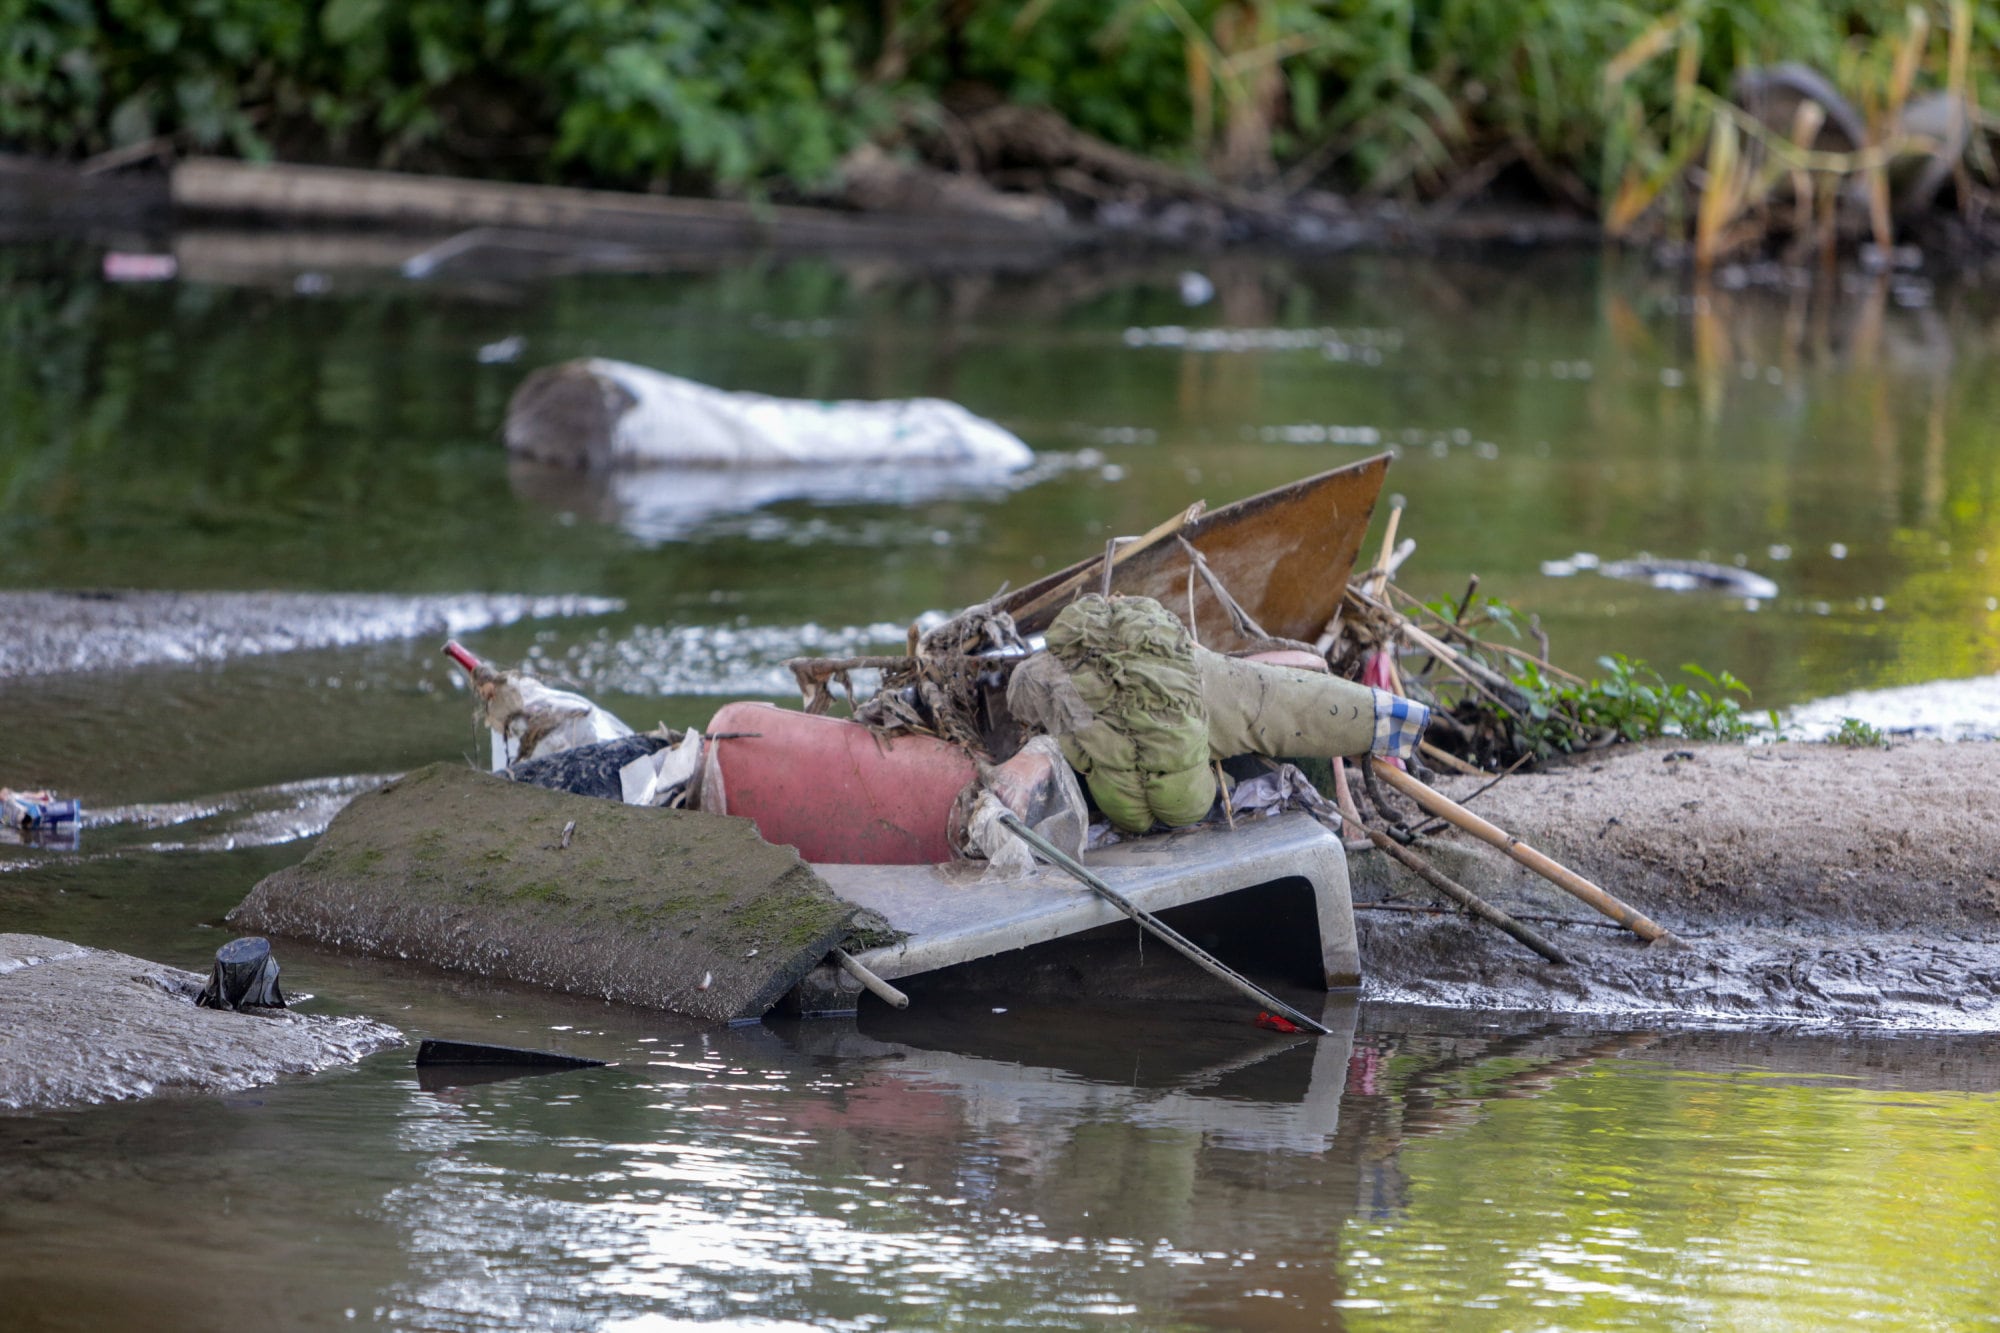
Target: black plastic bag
(245,975)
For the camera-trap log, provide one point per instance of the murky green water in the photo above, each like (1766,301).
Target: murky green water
(1038,1167)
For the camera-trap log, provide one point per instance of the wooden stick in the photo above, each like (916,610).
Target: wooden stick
(1559,875)
(1483,680)
(1451,761)
(1433,824)
(1180,943)
(1453,627)
(1378,577)
(1461,895)
(1069,585)
(1244,623)
(1458,661)
(877,987)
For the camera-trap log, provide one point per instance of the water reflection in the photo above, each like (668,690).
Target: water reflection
(932,1173)
(187,434)
(1164,1168)
(1152,1166)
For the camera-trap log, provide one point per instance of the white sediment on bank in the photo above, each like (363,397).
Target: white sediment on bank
(1942,710)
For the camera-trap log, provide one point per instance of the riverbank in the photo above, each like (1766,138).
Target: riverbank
(421,224)
(1809,883)
(1664,121)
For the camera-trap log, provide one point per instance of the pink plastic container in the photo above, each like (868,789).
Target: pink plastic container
(827,787)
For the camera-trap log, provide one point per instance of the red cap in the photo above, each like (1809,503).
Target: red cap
(457,653)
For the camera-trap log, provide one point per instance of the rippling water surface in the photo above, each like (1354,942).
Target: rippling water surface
(989,1163)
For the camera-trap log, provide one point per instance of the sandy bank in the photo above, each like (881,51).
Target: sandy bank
(1810,883)
(82,1025)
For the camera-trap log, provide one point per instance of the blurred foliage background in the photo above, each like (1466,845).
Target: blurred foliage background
(1417,97)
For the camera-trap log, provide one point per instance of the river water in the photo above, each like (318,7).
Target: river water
(976,1162)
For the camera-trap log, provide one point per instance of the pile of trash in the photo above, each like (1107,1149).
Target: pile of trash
(40,819)
(1116,694)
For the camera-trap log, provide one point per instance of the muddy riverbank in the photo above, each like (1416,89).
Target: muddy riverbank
(1808,883)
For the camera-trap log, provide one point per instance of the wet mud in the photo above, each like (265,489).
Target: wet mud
(81,1025)
(1806,884)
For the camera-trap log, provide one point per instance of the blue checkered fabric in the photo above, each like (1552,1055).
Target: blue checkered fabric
(1399,725)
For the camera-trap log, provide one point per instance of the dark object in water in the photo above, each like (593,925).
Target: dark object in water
(245,975)
(1690,576)
(587,770)
(436,1051)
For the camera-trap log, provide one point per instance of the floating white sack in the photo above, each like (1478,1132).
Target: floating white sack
(596,413)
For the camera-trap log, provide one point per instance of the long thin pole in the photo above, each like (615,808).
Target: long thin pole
(1075,581)
(1554,872)
(1461,895)
(1203,959)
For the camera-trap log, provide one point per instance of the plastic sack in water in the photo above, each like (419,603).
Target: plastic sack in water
(245,974)
(529,719)
(597,414)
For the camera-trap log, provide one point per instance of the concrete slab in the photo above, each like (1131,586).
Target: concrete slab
(463,870)
(951,914)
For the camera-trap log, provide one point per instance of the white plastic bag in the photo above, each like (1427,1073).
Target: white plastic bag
(655,778)
(530,720)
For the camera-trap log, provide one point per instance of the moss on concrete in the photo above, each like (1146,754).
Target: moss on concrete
(470,872)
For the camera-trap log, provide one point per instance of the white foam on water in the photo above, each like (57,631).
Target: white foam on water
(56,631)
(740,659)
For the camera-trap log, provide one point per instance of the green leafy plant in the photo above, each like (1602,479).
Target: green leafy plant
(1631,702)
(1528,706)
(1857,735)
(1620,107)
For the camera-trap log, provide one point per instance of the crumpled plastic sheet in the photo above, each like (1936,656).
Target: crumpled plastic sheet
(530,720)
(657,778)
(1038,786)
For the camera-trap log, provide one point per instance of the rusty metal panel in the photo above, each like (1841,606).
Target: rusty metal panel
(1284,555)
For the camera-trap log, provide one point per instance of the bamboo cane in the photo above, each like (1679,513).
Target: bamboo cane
(1378,577)
(1461,895)
(1450,761)
(1075,581)
(881,989)
(1557,874)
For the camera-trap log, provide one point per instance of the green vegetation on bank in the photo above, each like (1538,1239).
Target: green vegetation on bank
(1541,711)
(1632,702)
(1590,102)
(1858,735)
